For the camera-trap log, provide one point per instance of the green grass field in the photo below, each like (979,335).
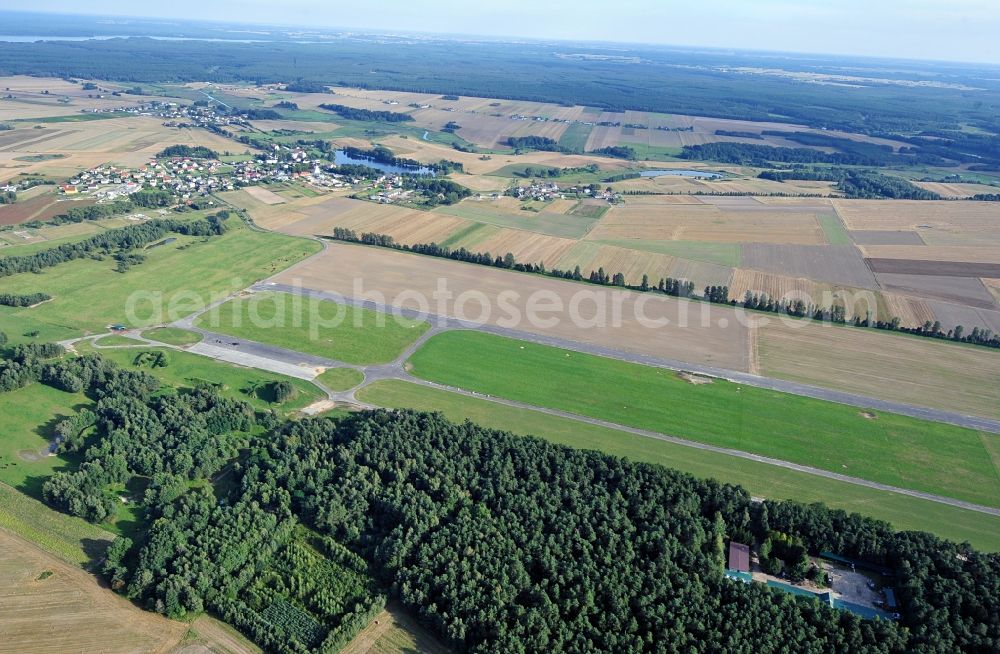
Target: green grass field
(833,229)
(553,224)
(760,479)
(317,327)
(174,281)
(186,371)
(724,254)
(173,336)
(71,539)
(575,137)
(29,417)
(116,340)
(891,449)
(341,379)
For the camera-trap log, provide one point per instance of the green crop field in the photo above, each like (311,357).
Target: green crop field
(186,370)
(553,224)
(174,281)
(173,336)
(724,254)
(761,480)
(318,327)
(341,379)
(887,448)
(575,137)
(834,230)
(72,539)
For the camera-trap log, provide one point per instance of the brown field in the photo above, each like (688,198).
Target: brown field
(777,286)
(911,311)
(264,195)
(702,273)
(631,263)
(41,207)
(525,246)
(934,268)
(687,222)
(956,190)
(890,366)
(870,238)
(67,611)
(971,254)
(837,264)
(961,290)
(481,183)
(993,285)
(211,636)
(391,273)
(394,632)
(923,216)
(952,315)
(668,184)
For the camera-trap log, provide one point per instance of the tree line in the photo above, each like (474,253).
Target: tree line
(682,288)
(23,300)
(121,239)
(351,113)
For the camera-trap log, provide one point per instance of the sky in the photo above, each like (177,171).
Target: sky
(955,30)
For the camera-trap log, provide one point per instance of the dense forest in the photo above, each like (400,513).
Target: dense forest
(682,82)
(189,151)
(351,113)
(499,543)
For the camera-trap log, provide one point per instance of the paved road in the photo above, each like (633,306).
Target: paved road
(444,322)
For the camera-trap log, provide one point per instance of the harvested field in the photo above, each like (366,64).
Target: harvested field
(956,190)
(67,610)
(394,632)
(711,336)
(480,183)
(872,238)
(934,253)
(893,367)
(832,263)
(993,286)
(507,212)
(592,256)
(934,268)
(703,222)
(911,311)
(701,273)
(42,207)
(264,195)
(894,215)
(778,287)
(952,315)
(526,247)
(962,290)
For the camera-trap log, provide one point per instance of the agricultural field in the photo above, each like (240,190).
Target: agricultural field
(394,632)
(174,281)
(881,447)
(312,326)
(397,276)
(51,606)
(893,367)
(760,479)
(41,207)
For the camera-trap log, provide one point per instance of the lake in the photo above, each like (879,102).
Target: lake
(341,158)
(703,174)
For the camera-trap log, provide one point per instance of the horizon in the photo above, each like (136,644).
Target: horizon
(975,46)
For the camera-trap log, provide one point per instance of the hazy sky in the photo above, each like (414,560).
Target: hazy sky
(963,30)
